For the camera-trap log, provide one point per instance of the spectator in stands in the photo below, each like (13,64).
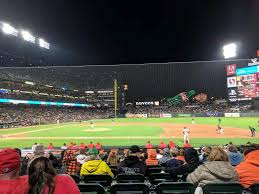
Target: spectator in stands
(171,144)
(50,146)
(187,144)
(166,157)
(205,152)
(181,155)
(10,181)
(216,169)
(162,145)
(70,161)
(81,158)
(75,147)
(98,146)
(235,157)
(152,161)
(82,146)
(94,165)
(90,145)
(192,162)
(43,179)
(132,162)
(149,145)
(174,162)
(53,160)
(248,170)
(70,145)
(112,159)
(64,147)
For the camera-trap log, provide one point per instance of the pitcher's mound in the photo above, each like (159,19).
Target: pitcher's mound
(97,129)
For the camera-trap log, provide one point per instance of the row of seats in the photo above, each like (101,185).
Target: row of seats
(168,188)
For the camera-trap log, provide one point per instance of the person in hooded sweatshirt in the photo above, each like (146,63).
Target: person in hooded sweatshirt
(94,165)
(235,157)
(248,170)
(217,169)
(166,157)
(132,163)
(191,163)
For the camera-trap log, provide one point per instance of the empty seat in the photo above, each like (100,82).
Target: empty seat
(130,178)
(152,170)
(157,178)
(255,188)
(91,188)
(223,188)
(104,180)
(132,188)
(175,188)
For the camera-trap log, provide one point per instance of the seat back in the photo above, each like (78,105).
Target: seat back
(222,188)
(76,178)
(104,180)
(153,170)
(157,178)
(255,188)
(130,178)
(132,188)
(91,188)
(175,188)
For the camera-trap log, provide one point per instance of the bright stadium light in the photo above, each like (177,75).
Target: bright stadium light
(28,36)
(229,50)
(43,43)
(8,29)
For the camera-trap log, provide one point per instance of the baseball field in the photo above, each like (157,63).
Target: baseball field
(128,131)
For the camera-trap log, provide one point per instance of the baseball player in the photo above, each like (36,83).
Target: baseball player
(193,121)
(186,133)
(220,130)
(92,125)
(253,130)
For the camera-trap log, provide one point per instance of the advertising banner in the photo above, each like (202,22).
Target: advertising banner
(165,115)
(232,82)
(129,115)
(247,70)
(153,115)
(231,69)
(184,115)
(232,114)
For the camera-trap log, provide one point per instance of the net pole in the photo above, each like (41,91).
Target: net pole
(115,98)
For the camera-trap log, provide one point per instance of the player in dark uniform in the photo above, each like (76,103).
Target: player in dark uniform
(252,130)
(219,120)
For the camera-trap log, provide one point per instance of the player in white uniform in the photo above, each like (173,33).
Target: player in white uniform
(186,133)
(220,130)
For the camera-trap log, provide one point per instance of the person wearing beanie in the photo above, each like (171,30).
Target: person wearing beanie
(166,157)
(162,145)
(132,163)
(235,157)
(95,165)
(10,181)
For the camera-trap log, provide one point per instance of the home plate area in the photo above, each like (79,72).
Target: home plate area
(97,129)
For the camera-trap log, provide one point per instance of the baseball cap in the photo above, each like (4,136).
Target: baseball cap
(39,150)
(9,160)
(134,149)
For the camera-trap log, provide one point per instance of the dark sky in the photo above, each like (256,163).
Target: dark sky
(115,32)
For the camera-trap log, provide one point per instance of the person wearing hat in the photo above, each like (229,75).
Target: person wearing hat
(95,165)
(9,173)
(132,163)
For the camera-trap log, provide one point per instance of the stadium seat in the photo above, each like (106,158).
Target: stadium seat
(104,180)
(153,170)
(76,178)
(255,188)
(130,178)
(138,188)
(175,188)
(91,188)
(223,188)
(157,178)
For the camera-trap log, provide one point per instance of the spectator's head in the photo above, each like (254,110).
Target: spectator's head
(250,147)
(191,156)
(10,162)
(64,144)
(134,150)
(186,141)
(218,154)
(19,151)
(206,150)
(166,152)
(41,174)
(148,141)
(93,154)
(174,152)
(39,150)
(232,148)
(50,144)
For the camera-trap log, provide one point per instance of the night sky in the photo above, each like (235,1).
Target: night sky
(85,32)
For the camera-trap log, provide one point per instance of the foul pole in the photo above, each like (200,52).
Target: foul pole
(115,85)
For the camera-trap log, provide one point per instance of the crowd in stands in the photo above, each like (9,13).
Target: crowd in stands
(44,172)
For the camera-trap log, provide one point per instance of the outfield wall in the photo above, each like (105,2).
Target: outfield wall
(208,114)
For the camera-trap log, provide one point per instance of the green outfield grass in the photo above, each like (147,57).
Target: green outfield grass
(73,131)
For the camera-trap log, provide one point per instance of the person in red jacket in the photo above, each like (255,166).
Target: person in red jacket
(50,147)
(70,145)
(248,171)
(152,161)
(186,144)
(149,145)
(10,181)
(98,146)
(75,147)
(82,146)
(162,145)
(171,144)
(90,145)
(44,179)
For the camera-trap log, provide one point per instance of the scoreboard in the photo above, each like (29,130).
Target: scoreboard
(242,83)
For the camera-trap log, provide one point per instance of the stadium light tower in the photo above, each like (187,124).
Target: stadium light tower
(28,36)
(43,43)
(8,29)
(230,50)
